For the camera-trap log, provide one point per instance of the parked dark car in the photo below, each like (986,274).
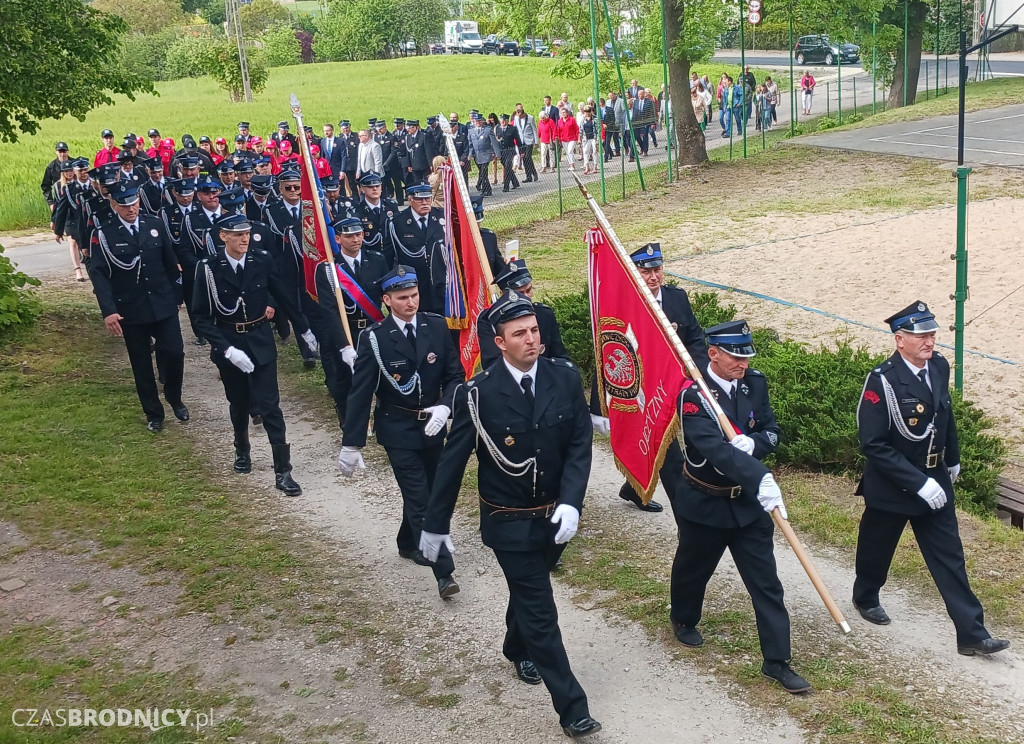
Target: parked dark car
(537,47)
(818,48)
(495,44)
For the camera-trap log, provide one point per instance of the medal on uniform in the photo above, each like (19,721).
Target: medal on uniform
(912,422)
(431,358)
(510,440)
(154,233)
(745,390)
(396,377)
(920,407)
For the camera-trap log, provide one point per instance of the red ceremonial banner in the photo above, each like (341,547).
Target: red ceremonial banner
(477,296)
(639,373)
(315,238)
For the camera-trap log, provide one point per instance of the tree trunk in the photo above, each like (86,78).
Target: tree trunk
(690,147)
(918,11)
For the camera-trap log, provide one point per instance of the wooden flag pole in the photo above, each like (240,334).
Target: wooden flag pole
(463,189)
(307,160)
(723,420)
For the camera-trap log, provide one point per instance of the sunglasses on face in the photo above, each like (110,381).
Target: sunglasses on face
(291,188)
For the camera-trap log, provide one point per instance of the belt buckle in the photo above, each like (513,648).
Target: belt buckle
(734,492)
(422,415)
(361,323)
(240,328)
(549,510)
(933,460)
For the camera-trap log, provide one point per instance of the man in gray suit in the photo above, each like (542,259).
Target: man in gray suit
(483,148)
(369,158)
(528,136)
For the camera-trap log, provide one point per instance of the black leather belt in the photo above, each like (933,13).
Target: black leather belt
(934,459)
(724,492)
(415,413)
(510,514)
(246,327)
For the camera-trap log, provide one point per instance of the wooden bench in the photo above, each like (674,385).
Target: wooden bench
(1011,501)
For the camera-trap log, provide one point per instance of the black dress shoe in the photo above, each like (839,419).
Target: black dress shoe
(155,425)
(446,587)
(505,190)
(180,411)
(309,363)
(874,614)
(582,727)
(284,482)
(983,648)
(256,419)
(415,556)
(200,341)
(781,672)
(688,636)
(626,493)
(527,672)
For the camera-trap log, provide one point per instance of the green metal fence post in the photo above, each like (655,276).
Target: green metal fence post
(558,171)
(669,134)
(828,100)
(874,68)
(855,94)
(961,275)
(743,82)
(839,82)
(926,90)
(906,28)
(622,92)
(938,7)
(597,96)
(792,83)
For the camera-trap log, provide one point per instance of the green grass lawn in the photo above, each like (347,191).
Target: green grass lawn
(414,87)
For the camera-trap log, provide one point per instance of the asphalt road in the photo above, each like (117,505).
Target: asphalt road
(992,137)
(1009,65)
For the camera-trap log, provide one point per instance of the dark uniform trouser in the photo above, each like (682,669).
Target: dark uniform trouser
(414,470)
(393,186)
(170,358)
(337,374)
(530,168)
(938,535)
(255,393)
(483,183)
(508,155)
(701,548)
(187,284)
(532,626)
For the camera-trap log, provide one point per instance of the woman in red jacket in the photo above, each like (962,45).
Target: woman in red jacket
(568,136)
(547,133)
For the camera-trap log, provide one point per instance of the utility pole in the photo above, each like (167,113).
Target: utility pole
(234,27)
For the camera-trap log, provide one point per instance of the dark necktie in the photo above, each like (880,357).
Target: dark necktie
(355,268)
(423,224)
(238,271)
(409,334)
(295,212)
(132,230)
(527,383)
(923,377)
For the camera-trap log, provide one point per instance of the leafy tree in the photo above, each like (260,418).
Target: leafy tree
(889,49)
(259,15)
(213,12)
(155,16)
(147,54)
(185,58)
(219,60)
(281,47)
(53,47)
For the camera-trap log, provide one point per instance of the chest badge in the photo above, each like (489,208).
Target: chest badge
(920,407)
(154,233)
(431,358)
(912,422)
(510,440)
(397,377)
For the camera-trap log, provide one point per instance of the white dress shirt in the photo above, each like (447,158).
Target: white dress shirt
(517,375)
(729,386)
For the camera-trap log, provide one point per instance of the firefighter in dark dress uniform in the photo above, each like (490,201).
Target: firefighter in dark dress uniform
(418,153)
(410,363)
(724,498)
(526,419)
(366,268)
(412,236)
(676,305)
(909,438)
(517,277)
(137,283)
(374,210)
(232,306)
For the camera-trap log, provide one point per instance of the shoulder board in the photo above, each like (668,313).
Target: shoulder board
(542,304)
(937,353)
(259,252)
(559,362)
(478,378)
(433,315)
(754,372)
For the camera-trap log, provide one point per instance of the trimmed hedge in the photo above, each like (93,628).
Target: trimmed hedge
(18,304)
(814,394)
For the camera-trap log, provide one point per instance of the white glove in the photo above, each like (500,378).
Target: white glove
(310,340)
(568,517)
(933,494)
(438,417)
(240,359)
(430,545)
(601,425)
(349,459)
(770,496)
(954,473)
(743,443)
(348,355)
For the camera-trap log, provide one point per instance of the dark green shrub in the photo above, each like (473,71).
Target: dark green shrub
(814,393)
(18,303)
